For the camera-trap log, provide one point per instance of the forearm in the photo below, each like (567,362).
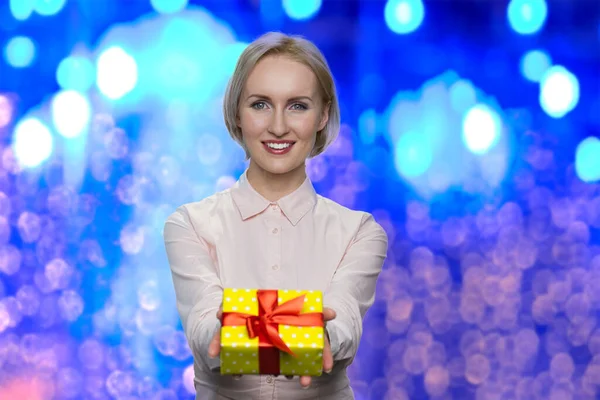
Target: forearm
(352,290)
(199,337)
(202,324)
(197,286)
(345,330)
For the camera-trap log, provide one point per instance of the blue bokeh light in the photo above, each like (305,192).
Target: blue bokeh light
(447,152)
(32,142)
(168,6)
(534,64)
(413,154)
(527,16)
(116,72)
(301,9)
(404,16)
(180,72)
(21,9)
(559,91)
(462,96)
(20,52)
(76,73)
(367,126)
(48,7)
(231,55)
(188,56)
(481,129)
(587,160)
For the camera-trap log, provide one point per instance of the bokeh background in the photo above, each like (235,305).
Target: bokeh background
(470,130)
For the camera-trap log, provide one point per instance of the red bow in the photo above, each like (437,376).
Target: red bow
(265,325)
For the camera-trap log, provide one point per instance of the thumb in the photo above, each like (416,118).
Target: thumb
(328,314)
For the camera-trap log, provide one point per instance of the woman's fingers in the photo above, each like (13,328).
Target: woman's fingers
(215,345)
(327,357)
(305,382)
(328,315)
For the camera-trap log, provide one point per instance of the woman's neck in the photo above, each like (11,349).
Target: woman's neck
(275,186)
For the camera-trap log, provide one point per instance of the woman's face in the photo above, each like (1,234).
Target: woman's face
(281,110)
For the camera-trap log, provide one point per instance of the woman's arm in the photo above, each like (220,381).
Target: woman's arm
(352,290)
(197,286)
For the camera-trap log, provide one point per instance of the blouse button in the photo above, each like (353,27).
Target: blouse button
(269,379)
(275,230)
(275,267)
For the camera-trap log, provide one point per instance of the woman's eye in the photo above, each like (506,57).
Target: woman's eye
(259,105)
(298,107)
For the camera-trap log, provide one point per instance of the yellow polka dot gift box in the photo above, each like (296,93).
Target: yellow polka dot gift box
(275,332)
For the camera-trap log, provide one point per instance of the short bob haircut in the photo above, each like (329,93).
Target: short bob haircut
(298,49)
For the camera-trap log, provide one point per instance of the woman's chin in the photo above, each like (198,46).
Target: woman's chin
(280,167)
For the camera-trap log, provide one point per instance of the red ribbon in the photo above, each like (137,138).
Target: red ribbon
(265,325)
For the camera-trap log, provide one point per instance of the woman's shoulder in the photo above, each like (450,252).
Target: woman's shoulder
(202,209)
(359,225)
(343,214)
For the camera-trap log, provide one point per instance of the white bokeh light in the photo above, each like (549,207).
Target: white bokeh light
(116,73)
(559,91)
(71,113)
(481,129)
(32,142)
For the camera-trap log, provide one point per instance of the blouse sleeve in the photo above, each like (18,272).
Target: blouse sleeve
(352,290)
(198,288)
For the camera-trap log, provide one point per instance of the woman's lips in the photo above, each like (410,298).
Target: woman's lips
(278,148)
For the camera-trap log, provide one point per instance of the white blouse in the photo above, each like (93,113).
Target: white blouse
(238,239)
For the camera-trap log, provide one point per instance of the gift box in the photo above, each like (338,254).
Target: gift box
(275,332)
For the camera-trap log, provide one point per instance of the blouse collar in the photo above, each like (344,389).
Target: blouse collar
(294,206)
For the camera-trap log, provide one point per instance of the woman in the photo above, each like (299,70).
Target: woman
(271,230)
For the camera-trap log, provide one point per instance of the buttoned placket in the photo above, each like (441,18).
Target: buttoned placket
(274,233)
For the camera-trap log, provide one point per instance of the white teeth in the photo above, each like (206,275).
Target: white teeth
(279,146)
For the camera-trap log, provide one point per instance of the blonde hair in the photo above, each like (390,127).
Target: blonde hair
(298,49)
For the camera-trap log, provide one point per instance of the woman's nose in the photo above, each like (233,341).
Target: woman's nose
(278,125)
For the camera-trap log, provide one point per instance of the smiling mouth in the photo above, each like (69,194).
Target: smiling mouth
(278,147)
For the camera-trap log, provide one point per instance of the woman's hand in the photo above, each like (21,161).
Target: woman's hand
(214,347)
(215,344)
(328,315)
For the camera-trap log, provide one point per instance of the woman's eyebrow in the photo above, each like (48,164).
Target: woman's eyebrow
(265,97)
